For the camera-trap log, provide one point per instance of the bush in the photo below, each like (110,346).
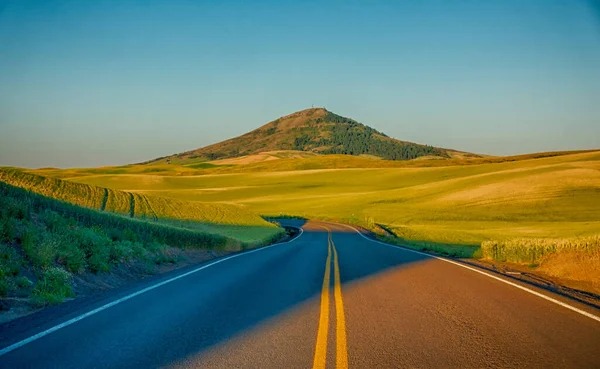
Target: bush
(7,230)
(40,249)
(10,261)
(4,287)
(162,254)
(96,248)
(70,255)
(23,282)
(53,287)
(53,221)
(121,252)
(115,234)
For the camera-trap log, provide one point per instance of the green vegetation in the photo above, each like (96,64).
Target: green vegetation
(314,130)
(574,260)
(532,251)
(352,138)
(219,219)
(52,240)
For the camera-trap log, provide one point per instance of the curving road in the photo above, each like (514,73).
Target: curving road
(330,298)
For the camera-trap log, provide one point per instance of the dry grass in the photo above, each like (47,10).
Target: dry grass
(535,250)
(571,259)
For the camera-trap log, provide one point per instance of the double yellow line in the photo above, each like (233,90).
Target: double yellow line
(341,351)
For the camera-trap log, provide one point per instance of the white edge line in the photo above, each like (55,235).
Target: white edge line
(582,312)
(15,346)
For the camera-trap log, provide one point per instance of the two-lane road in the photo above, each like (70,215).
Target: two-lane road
(330,298)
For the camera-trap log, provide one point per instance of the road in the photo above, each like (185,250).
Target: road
(330,298)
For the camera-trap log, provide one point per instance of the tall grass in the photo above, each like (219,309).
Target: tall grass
(535,250)
(54,239)
(144,231)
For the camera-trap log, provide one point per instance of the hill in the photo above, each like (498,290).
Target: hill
(318,131)
(215,218)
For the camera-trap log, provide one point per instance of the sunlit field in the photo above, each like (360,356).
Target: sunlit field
(465,205)
(215,218)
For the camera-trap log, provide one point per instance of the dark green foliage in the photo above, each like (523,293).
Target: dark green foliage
(58,239)
(39,247)
(352,138)
(10,261)
(341,135)
(53,286)
(317,130)
(4,287)
(7,229)
(125,251)
(23,282)
(214,155)
(70,254)
(202,166)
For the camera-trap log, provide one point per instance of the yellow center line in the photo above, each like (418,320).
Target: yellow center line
(320,358)
(341,352)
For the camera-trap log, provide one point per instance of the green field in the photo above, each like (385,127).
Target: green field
(464,205)
(216,218)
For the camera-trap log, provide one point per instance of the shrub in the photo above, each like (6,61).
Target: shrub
(162,255)
(99,260)
(53,287)
(4,287)
(23,282)
(96,248)
(7,230)
(10,261)
(121,251)
(70,255)
(41,250)
(53,221)
(115,234)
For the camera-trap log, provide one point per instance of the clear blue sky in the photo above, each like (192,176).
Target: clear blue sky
(88,83)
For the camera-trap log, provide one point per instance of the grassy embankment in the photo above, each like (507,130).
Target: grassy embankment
(451,209)
(214,218)
(45,242)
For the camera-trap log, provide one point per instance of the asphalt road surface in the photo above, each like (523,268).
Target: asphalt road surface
(330,298)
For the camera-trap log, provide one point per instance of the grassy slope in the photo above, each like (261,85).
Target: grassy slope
(226,219)
(555,196)
(44,242)
(311,130)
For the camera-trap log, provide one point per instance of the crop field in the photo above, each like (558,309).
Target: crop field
(464,205)
(216,218)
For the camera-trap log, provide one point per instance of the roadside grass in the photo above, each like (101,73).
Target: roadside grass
(572,259)
(53,240)
(533,251)
(457,251)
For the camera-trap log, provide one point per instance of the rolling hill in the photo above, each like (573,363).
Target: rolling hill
(315,130)
(215,218)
